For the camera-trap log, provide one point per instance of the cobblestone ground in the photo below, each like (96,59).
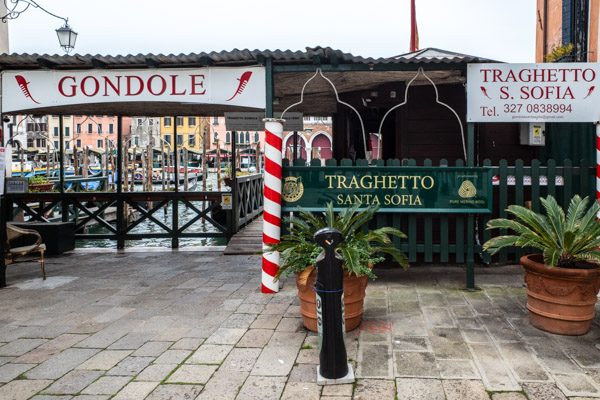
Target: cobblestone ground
(194,325)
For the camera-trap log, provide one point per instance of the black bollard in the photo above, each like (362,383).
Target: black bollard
(329,288)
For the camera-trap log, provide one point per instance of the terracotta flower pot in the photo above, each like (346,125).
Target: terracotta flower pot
(41,187)
(354,294)
(560,300)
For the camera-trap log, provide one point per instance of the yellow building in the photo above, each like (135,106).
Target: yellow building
(190,132)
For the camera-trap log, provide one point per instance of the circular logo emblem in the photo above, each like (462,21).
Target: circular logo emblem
(292,189)
(467,190)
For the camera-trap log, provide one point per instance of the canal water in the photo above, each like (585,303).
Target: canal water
(149,227)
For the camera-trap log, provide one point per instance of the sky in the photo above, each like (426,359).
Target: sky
(502,30)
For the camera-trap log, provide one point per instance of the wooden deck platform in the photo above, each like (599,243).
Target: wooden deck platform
(248,240)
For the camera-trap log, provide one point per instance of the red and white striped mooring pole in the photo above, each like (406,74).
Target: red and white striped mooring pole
(272,201)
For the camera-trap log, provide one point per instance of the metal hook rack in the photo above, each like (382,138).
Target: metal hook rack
(421,71)
(368,154)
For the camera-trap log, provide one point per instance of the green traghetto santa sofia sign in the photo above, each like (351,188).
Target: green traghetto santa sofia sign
(394,189)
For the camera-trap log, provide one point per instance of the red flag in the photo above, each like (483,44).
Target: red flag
(414,32)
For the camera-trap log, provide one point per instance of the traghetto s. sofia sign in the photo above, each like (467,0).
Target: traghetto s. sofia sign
(24,90)
(556,92)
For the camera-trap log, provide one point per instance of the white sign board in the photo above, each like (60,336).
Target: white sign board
(17,185)
(251,121)
(553,92)
(24,90)
(2,168)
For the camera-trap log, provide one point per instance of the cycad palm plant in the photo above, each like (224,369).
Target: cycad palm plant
(359,249)
(563,240)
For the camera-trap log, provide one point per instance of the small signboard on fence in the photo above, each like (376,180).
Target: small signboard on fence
(226,203)
(253,121)
(17,185)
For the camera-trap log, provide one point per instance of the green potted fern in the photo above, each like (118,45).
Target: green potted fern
(359,249)
(563,278)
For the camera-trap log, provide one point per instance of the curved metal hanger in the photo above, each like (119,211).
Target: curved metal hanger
(337,97)
(421,71)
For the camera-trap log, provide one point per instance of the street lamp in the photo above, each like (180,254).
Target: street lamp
(66,35)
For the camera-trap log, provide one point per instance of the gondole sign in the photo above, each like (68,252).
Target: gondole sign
(553,92)
(25,90)
(394,189)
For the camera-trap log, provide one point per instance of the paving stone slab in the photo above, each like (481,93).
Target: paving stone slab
(136,391)
(464,390)
(448,343)
(346,389)
(22,389)
(226,336)
(172,357)
(275,361)
(508,396)
(224,385)
(209,354)
(310,356)
(260,388)
(303,373)
(476,336)
(543,391)
(152,349)
(73,382)
(108,385)
(5,360)
(105,360)
(577,385)
(175,392)
(196,374)
(255,338)
(156,372)
(522,363)
(284,338)
(371,389)
(374,361)
(132,341)
(415,364)
(8,372)
(60,364)
(457,369)
(130,366)
(493,369)
(404,343)
(107,336)
(301,390)
(20,346)
(266,321)
(187,343)
(241,359)
(419,389)
(438,317)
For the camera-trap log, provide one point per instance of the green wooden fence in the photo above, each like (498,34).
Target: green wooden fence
(444,237)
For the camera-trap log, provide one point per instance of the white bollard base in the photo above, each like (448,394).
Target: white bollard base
(349,378)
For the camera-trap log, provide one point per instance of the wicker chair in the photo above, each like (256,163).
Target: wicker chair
(13,253)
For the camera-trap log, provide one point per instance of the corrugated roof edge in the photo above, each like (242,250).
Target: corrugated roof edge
(224,57)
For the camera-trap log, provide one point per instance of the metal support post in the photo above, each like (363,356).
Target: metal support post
(175,220)
(471,217)
(121,221)
(64,202)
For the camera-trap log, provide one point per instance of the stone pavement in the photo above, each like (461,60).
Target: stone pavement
(194,325)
